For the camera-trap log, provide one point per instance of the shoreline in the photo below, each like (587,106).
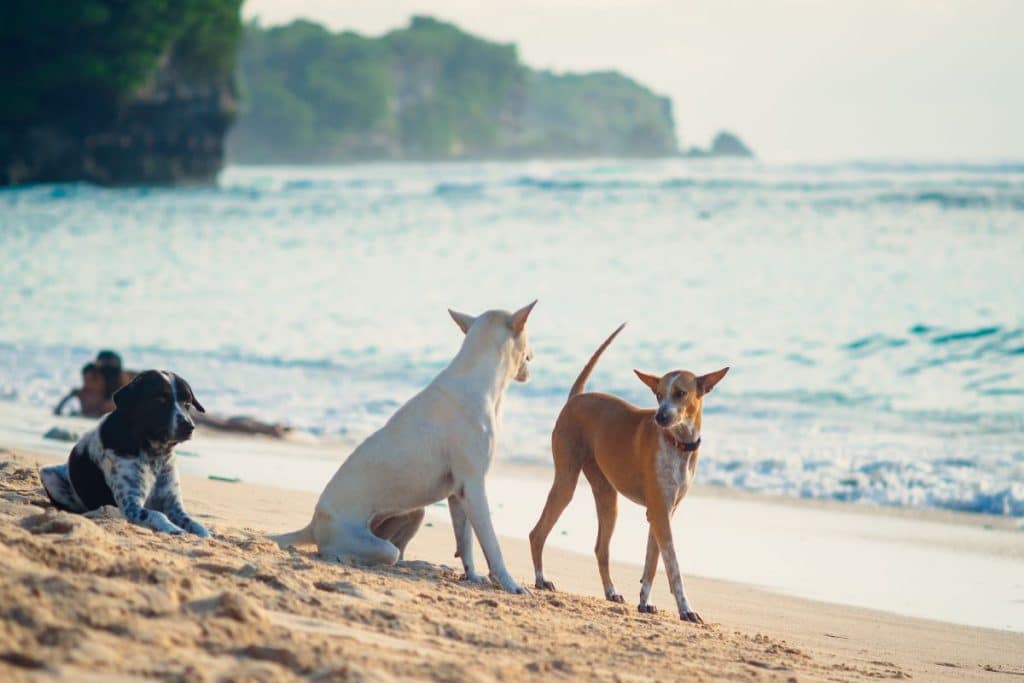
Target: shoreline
(754,632)
(859,555)
(23,426)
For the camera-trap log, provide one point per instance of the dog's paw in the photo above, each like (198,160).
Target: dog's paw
(691,617)
(193,527)
(509,585)
(544,585)
(615,597)
(473,577)
(647,609)
(168,527)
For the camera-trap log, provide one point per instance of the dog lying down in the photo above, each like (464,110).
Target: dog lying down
(438,445)
(127,460)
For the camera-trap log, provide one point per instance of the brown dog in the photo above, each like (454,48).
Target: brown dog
(646,455)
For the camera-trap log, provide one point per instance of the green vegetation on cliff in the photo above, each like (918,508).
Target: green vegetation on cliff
(312,95)
(65,57)
(429,91)
(116,91)
(601,113)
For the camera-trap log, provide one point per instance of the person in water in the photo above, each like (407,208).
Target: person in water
(94,398)
(106,374)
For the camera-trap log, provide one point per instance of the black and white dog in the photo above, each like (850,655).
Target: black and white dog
(128,459)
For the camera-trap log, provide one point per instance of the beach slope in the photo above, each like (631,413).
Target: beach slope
(94,598)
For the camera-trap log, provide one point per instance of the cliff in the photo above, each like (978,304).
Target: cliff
(429,91)
(117,93)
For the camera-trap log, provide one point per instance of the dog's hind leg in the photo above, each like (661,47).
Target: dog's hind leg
(650,569)
(567,473)
(399,529)
(606,498)
(57,484)
(463,540)
(352,541)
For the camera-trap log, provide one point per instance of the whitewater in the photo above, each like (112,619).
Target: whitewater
(872,313)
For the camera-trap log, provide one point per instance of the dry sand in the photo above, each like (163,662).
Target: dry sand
(92,598)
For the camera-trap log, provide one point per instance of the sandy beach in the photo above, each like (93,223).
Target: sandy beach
(725,285)
(93,598)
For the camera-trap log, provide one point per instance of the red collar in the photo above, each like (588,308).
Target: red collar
(684,446)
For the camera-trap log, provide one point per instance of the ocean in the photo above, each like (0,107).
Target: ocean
(872,314)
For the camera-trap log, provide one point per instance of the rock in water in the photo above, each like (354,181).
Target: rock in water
(728,145)
(725,144)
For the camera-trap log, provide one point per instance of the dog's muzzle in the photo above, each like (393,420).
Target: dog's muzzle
(662,417)
(183,429)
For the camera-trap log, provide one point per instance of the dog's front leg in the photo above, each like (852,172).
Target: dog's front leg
(650,569)
(126,483)
(660,525)
(463,540)
(475,499)
(166,497)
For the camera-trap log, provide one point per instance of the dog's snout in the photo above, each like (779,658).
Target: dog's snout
(661,417)
(184,427)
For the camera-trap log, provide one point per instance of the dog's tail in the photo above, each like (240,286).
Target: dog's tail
(303,536)
(581,381)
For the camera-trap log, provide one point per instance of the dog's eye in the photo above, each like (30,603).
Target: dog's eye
(680,394)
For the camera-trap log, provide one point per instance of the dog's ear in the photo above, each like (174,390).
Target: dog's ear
(462,320)
(182,385)
(518,320)
(705,383)
(128,395)
(650,380)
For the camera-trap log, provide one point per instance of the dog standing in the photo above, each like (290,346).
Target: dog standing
(648,456)
(439,445)
(127,460)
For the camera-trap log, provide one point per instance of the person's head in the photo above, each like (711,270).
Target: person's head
(108,359)
(92,379)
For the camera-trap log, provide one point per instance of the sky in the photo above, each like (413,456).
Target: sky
(798,80)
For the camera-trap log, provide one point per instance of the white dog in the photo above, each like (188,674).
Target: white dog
(438,445)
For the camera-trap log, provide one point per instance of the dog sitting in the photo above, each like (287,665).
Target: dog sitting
(438,445)
(128,459)
(649,456)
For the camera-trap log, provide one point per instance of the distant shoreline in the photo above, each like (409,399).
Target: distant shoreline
(680,155)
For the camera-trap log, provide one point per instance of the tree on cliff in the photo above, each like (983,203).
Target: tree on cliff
(429,91)
(64,57)
(72,69)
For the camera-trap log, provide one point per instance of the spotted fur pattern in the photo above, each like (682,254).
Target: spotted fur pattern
(128,459)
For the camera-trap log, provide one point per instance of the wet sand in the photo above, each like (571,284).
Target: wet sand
(94,598)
